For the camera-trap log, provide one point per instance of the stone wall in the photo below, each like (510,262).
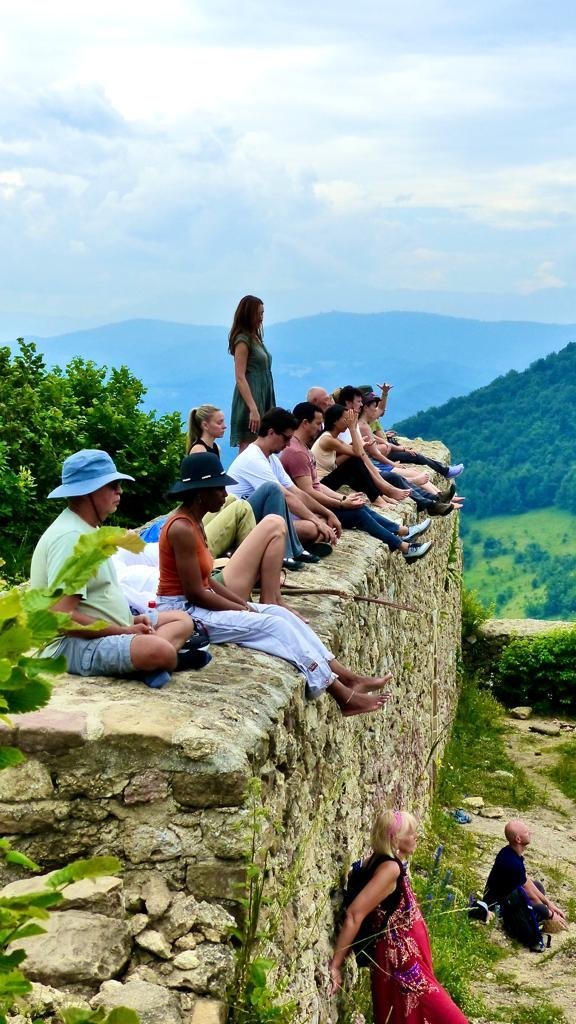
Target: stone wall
(159,779)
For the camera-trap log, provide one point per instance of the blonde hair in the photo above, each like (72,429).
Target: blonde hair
(196,420)
(390,826)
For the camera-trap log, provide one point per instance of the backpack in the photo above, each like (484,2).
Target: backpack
(364,945)
(520,921)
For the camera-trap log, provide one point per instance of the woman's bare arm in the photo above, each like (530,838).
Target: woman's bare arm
(182,541)
(381,885)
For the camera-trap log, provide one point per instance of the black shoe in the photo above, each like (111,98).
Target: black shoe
(416,551)
(292,564)
(418,529)
(305,556)
(440,508)
(192,659)
(448,494)
(321,548)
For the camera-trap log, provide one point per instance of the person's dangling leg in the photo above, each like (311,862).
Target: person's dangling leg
(269,500)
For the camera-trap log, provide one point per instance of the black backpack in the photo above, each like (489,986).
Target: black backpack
(520,921)
(364,945)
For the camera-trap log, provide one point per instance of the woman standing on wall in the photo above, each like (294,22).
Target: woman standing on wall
(254,391)
(404,988)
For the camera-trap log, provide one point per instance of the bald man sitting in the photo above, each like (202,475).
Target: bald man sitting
(509,872)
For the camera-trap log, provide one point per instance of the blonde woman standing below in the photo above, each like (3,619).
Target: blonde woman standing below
(404,988)
(254,391)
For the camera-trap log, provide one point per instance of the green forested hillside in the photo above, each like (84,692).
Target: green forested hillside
(516,437)
(523,565)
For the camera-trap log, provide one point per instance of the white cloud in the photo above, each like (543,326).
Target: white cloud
(192,149)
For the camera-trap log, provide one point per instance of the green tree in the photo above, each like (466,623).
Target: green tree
(46,414)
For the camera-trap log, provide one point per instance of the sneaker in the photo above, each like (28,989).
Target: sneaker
(418,529)
(416,551)
(455,470)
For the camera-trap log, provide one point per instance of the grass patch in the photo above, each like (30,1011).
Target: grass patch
(545,1013)
(497,575)
(564,771)
(461,949)
(476,751)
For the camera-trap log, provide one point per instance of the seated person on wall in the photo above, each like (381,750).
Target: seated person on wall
(387,452)
(508,873)
(425,496)
(352,510)
(380,452)
(316,526)
(127,644)
(223,607)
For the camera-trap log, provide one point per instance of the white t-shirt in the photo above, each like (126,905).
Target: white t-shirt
(345,436)
(252,468)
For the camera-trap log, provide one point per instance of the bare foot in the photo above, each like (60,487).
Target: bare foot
(361,704)
(283,604)
(367,684)
(382,503)
(401,494)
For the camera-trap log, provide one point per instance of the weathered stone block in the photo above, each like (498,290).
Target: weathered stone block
(51,730)
(28,781)
(156,894)
(147,842)
(180,918)
(154,1004)
(207,1011)
(216,879)
(154,942)
(146,788)
(77,947)
(210,971)
(35,816)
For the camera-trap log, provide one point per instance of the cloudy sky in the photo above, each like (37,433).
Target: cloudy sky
(160,159)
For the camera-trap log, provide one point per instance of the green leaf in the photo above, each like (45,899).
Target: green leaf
(10,605)
(5,669)
(92,868)
(89,551)
(36,695)
(11,960)
(15,857)
(14,984)
(122,1015)
(10,756)
(15,640)
(26,931)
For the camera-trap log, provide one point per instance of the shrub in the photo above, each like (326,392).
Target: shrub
(474,613)
(57,412)
(540,671)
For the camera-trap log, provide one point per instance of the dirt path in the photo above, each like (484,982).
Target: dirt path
(524,978)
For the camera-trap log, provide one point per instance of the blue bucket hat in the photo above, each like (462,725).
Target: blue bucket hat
(86,471)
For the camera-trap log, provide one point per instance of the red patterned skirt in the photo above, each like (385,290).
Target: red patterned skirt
(404,989)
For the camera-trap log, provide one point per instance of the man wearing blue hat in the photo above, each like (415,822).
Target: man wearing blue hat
(127,644)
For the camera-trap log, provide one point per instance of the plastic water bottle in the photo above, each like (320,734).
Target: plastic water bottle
(152,613)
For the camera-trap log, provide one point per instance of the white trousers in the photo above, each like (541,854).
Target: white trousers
(274,630)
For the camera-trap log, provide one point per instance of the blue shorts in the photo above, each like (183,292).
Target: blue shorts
(107,656)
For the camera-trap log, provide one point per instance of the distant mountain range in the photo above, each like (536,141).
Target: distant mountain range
(428,358)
